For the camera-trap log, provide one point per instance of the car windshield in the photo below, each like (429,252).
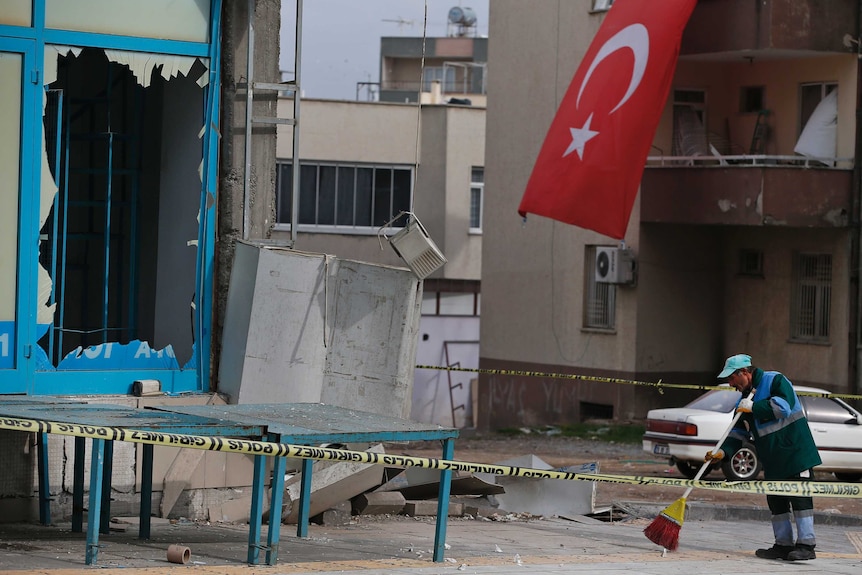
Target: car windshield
(721,400)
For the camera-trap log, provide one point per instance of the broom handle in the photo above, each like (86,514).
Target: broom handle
(706,464)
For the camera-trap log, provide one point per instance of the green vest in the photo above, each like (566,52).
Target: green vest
(778,428)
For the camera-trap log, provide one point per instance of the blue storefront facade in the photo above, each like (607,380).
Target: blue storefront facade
(109,146)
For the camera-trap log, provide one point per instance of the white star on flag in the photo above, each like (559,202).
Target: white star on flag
(580,137)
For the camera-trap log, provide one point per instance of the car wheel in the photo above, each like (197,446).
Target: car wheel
(848,477)
(742,465)
(689,469)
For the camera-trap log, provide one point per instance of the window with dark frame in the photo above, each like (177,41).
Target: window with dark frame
(477,191)
(751,263)
(344,195)
(811,301)
(599,298)
(751,99)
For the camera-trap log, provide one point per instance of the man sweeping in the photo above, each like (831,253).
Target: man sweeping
(774,420)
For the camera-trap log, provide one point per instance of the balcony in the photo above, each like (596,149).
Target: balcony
(722,26)
(747,190)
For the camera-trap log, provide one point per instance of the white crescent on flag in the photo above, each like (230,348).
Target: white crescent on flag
(634,37)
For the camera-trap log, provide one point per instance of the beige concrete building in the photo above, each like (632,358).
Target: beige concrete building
(362,163)
(741,244)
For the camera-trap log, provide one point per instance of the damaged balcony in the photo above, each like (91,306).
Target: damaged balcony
(746,190)
(766,25)
(755,140)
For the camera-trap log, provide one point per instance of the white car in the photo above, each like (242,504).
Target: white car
(685,434)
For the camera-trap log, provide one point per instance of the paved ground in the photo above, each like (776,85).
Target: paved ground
(402,546)
(718,537)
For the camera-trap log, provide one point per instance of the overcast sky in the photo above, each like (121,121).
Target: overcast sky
(341,38)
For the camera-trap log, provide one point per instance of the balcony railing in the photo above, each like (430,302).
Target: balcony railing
(447,88)
(760,161)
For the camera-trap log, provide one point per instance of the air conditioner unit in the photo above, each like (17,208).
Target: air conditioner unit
(417,249)
(614,265)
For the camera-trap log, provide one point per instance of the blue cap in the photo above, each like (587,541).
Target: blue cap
(733,363)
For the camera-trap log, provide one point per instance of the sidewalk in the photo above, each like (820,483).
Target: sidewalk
(402,545)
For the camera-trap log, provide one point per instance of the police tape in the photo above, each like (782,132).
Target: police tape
(272,449)
(659,385)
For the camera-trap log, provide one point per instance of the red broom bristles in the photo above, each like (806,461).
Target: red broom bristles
(664,531)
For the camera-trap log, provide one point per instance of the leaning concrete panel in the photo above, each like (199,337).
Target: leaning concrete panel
(373,352)
(273,345)
(303,327)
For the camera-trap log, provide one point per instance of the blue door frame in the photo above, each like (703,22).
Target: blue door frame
(14,350)
(35,377)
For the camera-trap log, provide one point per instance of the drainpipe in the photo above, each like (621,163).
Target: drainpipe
(855,231)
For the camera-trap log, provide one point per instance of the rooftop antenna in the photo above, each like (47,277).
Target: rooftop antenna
(400,21)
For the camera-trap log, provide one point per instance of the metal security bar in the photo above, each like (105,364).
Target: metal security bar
(812,297)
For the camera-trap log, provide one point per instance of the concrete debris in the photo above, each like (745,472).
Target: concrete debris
(338,514)
(331,482)
(547,497)
(420,483)
(429,508)
(379,503)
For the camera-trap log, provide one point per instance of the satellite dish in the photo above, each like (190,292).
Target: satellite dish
(462,16)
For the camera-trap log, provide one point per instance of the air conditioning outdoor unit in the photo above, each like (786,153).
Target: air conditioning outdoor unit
(614,265)
(417,249)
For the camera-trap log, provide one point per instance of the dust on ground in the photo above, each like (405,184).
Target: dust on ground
(613,458)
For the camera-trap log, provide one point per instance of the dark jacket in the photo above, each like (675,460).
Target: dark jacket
(777,426)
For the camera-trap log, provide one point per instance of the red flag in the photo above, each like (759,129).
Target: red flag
(590,165)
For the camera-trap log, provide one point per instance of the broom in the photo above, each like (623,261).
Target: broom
(664,529)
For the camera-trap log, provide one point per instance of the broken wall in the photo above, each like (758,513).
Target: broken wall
(303,327)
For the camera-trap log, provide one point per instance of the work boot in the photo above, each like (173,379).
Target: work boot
(776,552)
(802,553)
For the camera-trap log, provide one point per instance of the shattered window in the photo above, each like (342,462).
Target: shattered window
(121,192)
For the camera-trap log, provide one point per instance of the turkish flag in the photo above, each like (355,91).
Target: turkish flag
(590,165)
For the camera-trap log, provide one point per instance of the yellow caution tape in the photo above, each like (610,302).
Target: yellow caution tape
(272,449)
(660,385)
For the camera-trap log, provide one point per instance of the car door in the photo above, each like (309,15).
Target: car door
(836,430)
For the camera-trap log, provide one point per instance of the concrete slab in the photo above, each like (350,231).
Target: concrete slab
(331,483)
(544,496)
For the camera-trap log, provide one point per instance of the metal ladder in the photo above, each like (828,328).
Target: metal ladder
(761,134)
(251,120)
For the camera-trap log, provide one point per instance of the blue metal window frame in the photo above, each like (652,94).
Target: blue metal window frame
(15,380)
(195,375)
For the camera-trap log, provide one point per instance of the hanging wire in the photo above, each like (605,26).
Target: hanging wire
(419,107)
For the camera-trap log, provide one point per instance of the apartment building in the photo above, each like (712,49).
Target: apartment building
(364,163)
(458,63)
(744,235)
